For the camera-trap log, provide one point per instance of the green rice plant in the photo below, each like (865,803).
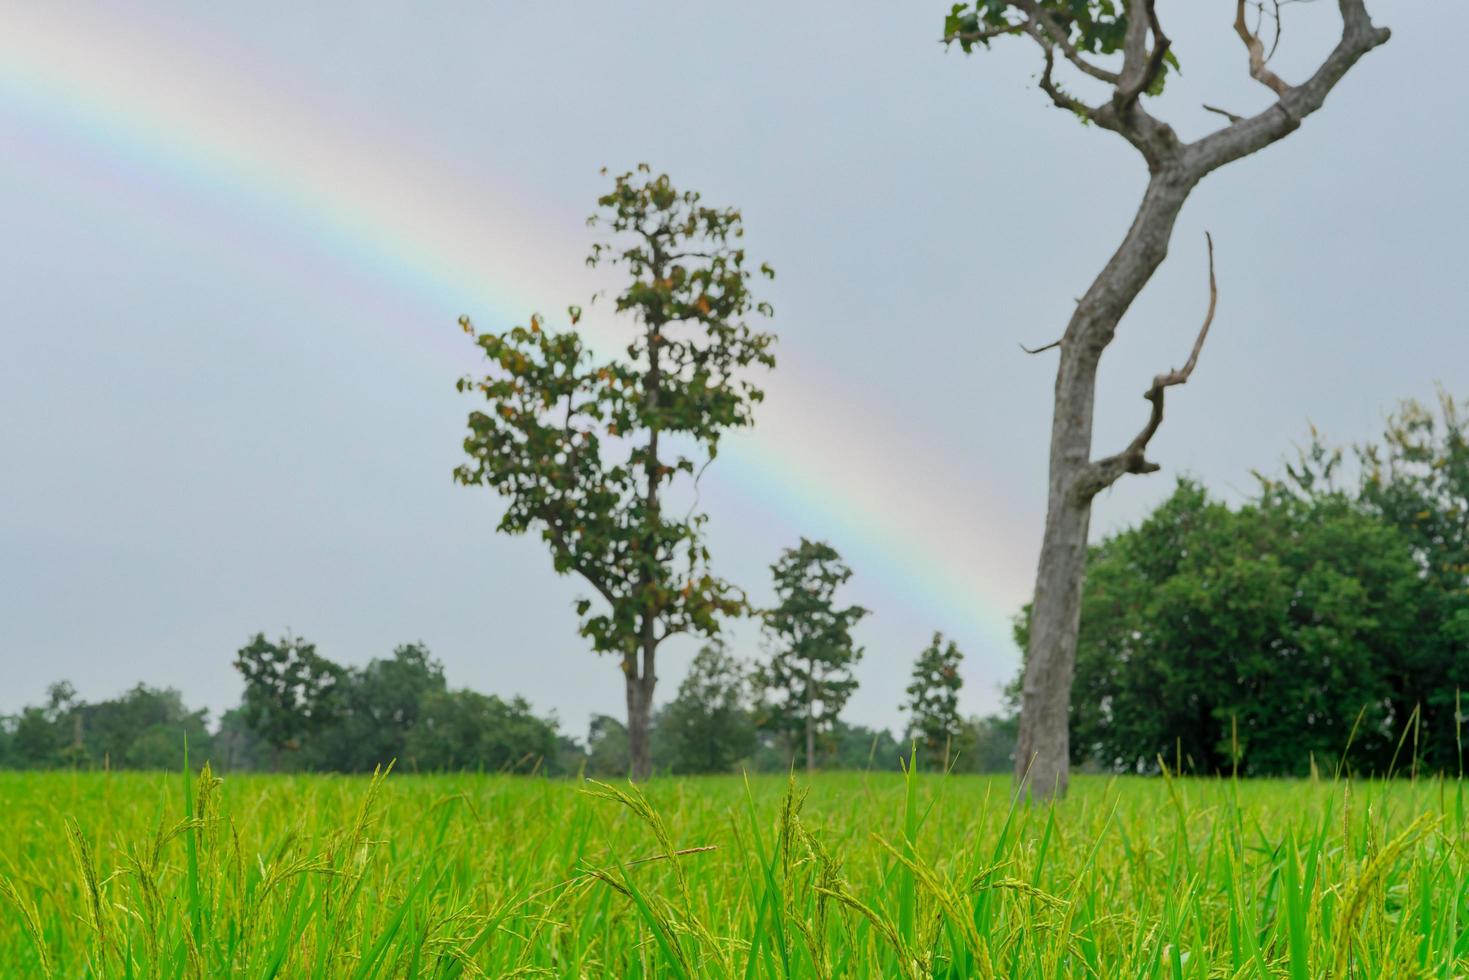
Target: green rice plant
(916,875)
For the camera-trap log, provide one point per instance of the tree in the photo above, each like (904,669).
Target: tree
(708,726)
(933,699)
(808,678)
(607,752)
(1083,33)
(145,728)
(376,707)
(464,729)
(1416,479)
(290,690)
(987,744)
(588,452)
(1250,640)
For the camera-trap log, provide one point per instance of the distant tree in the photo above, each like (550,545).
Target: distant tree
(1119,50)
(376,707)
(708,726)
(37,741)
(987,744)
(145,728)
(290,690)
(933,699)
(860,747)
(466,730)
(1416,479)
(238,747)
(607,751)
(587,452)
(1254,637)
(808,678)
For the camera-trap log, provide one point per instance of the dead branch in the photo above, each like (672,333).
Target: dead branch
(1239,139)
(1042,348)
(1103,473)
(1259,71)
(1223,112)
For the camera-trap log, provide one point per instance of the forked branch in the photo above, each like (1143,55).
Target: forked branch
(1102,473)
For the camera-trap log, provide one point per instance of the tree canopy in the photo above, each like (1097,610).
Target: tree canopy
(586,449)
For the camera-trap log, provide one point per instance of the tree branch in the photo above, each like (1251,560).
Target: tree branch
(1259,71)
(1062,98)
(1056,33)
(1140,66)
(1102,473)
(1042,348)
(1296,102)
(980,36)
(1231,116)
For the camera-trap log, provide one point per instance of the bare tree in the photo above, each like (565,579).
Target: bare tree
(1076,33)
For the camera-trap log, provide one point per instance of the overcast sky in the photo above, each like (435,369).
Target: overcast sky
(234,241)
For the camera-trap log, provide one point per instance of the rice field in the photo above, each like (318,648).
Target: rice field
(847,875)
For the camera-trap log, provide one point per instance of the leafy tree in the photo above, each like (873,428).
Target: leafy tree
(145,728)
(376,707)
(1416,479)
(290,690)
(1120,50)
(458,730)
(808,678)
(860,747)
(237,747)
(708,726)
(987,744)
(587,451)
(607,751)
(1257,638)
(933,699)
(37,741)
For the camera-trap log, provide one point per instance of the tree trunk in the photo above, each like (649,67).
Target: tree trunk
(640,685)
(1042,749)
(1174,169)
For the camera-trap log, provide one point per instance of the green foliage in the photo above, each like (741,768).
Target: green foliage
(808,677)
(1416,481)
(987,744)
(933,699)
(607,748)
(375,708)
(468,730)
(1261,638)
(708,726)
(573,442)
(1094,27)
(290,690)
(145,728)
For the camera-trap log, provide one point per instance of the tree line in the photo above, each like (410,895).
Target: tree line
(1322,623)
(303,711)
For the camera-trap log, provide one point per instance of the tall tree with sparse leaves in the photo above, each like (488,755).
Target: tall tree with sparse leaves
(1119,49)
(933,698)
(808,678)
(587,450)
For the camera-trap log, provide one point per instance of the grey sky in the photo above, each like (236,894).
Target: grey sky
(209,426)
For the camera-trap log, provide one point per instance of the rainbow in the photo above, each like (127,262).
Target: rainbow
(419,227)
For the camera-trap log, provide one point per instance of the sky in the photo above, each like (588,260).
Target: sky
(235,241)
